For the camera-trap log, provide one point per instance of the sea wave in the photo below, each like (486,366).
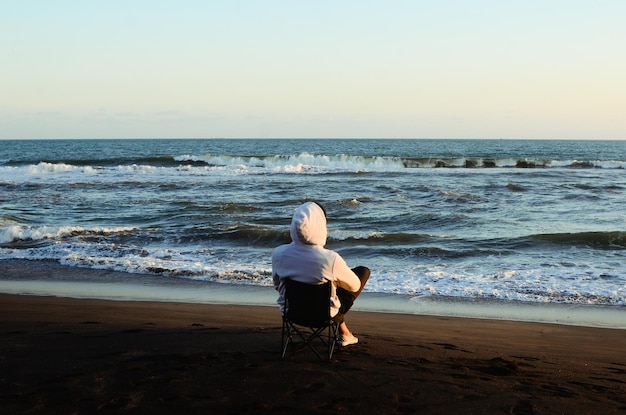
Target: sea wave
(599,240)
(536,221)
(602,240)
(16,235)
(298,163)
(425,269)
(304,161)
(563,285)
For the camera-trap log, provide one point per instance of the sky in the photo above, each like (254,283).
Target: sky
(325,69)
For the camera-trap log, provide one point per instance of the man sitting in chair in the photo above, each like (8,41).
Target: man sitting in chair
(306,260)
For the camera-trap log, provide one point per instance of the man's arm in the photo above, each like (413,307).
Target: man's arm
(345,277)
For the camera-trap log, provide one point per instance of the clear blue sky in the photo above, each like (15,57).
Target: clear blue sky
(393,68)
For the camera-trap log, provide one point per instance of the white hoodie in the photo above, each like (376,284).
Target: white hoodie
(306,260)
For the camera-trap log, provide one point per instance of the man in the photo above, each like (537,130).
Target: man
(306,260)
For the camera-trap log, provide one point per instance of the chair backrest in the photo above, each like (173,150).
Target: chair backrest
(307,304)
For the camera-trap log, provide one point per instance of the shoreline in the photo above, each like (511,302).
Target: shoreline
(63,355)
(49,278)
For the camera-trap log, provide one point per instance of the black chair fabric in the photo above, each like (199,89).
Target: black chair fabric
(307,320)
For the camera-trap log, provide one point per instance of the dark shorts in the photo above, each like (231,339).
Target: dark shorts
(346,297)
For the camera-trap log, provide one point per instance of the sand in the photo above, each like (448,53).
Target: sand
(80,356)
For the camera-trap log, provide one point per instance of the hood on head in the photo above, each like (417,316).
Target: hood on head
(308,225)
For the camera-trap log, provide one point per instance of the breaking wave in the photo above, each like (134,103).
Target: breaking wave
(299,163)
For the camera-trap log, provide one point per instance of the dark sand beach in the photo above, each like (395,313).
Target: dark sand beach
(78,356)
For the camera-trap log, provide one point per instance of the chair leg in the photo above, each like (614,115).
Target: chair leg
(286,338)
(289,332)
(309,341)
(332,339)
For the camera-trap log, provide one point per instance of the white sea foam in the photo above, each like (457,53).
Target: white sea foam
(531,283)
(16,232)
(12,231)
(304,163)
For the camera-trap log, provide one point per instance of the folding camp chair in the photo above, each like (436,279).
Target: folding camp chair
(307,320)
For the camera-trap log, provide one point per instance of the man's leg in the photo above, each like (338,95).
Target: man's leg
(347,298)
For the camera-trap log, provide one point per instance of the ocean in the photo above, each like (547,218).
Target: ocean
(515,223)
